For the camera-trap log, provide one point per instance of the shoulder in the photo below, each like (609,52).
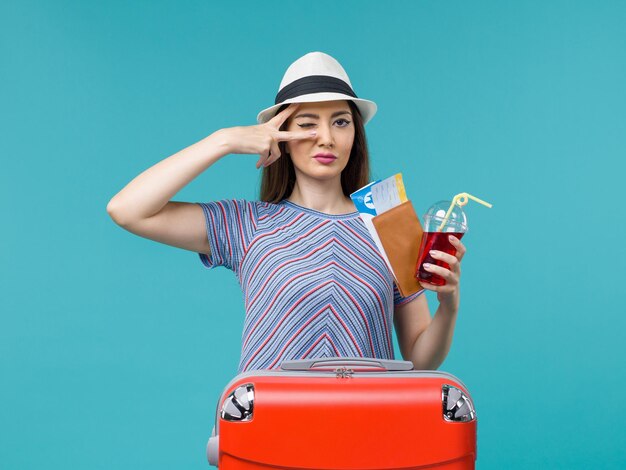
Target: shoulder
(247,210)
(270,209)
(234,205)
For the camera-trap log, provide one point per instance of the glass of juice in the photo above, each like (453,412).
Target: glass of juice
(436,232)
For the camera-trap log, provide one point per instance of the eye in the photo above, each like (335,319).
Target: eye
(342,122)
(306,124)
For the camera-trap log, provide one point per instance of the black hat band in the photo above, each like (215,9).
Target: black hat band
(314,84)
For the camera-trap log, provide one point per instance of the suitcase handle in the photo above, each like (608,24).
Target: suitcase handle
(355,363)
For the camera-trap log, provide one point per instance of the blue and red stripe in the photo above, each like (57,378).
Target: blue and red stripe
(314,284)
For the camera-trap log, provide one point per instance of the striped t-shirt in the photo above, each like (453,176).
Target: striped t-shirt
(314,284)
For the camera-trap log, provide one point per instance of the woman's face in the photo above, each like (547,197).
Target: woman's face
(326,155)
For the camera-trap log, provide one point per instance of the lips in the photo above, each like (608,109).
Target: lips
(325,158)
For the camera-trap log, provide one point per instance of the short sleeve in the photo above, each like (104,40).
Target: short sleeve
(399,300)
(228,227)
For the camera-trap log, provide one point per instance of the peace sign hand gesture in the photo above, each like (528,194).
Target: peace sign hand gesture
(263,138)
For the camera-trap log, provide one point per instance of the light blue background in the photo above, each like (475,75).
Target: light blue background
(114,349)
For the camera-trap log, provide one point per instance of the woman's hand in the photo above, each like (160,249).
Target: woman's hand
(447,295)
(263,138)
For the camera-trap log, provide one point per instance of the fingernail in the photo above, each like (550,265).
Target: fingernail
(313,133)
(452,238)
(433,253)
(427,265)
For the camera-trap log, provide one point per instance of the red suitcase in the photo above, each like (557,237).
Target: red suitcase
(344,413)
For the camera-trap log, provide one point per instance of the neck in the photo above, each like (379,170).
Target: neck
(322,196)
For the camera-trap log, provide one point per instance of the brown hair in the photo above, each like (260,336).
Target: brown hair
(279,178)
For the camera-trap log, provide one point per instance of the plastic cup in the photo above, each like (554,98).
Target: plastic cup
(435,237)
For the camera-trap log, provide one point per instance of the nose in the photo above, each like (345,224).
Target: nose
(325,135)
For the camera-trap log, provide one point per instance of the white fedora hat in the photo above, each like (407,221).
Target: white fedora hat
(316,77)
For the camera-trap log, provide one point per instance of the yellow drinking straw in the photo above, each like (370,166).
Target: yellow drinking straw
(461,199)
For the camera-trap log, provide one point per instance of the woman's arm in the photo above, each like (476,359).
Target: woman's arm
(143,206)
(149,192)
(425,341)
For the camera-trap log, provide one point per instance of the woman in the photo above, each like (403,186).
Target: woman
(314,283)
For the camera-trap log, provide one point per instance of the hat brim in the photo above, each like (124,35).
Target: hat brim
(367,108)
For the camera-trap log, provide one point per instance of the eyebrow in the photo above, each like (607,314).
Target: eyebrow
(316,116)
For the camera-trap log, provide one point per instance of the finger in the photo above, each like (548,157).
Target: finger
(453,261)
(294,135)
(281,117)
(274,155)
(445,289)
(431,287)
(460,248)
(264,156)
(442,272)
